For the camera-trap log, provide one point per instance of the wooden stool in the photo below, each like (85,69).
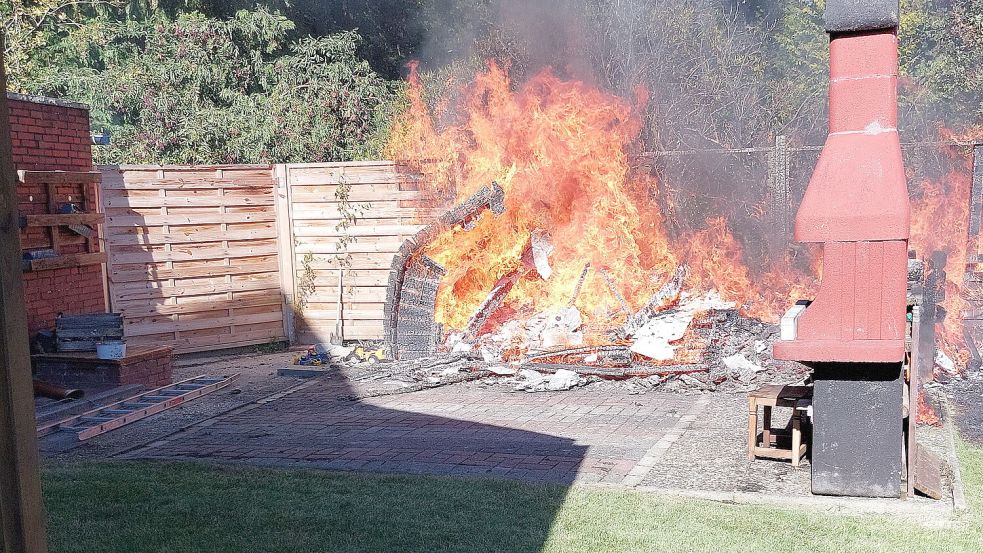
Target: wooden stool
(766,443)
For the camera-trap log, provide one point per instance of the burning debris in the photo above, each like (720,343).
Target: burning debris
(410,329)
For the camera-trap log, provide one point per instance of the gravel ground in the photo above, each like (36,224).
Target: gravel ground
(967,397)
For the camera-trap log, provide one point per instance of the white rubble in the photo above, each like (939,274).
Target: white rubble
(944,362)
(533,381)
(552,329)
(562,380)
(542,247)
(741,368)
(502,370)
(654,339)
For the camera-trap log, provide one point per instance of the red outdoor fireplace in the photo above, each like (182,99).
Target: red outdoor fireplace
(856,205)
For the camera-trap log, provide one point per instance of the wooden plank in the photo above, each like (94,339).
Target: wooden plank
(175,219)
(193,254)
(928,472)
(193,344)
(68,260)
(358,230)
(240,268)
(335,178)
(327,294)
(135,168)
(322,165)
(272,282)
(307,200)
(374,314)
(159,238)
(323,335)
(179,182)
(191,306)
(61,219)
(188,201)
(330,215)
(357,261)
(914,388)
(21,510)
(59,177)
(201,324)
(389,247)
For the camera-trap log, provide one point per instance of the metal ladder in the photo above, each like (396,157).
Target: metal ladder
(102,420)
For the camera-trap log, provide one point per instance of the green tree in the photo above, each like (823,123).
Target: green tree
(192,89)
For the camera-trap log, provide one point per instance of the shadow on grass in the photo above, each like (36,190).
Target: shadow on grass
(138,506)
(173,502)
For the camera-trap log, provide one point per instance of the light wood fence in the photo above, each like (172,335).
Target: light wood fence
(343,241)
(193,255)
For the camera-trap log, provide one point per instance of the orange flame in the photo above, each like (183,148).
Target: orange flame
(939,222)
(926,413)
(560,150)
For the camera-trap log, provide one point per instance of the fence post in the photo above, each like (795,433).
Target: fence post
(778,186)
(21,511)
(285,249)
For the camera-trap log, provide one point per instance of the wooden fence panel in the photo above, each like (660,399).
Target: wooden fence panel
(193,255)
(347,221)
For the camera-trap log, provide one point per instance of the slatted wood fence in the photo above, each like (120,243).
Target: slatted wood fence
(341,271)
(193,255)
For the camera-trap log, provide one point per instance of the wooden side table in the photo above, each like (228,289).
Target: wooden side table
(778,443)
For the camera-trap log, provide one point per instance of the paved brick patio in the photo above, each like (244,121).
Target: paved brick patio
(464,429)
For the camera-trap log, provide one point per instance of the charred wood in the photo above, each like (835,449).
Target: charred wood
(666,296)
(465,214)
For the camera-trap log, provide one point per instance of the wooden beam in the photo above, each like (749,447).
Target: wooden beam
(59,177)
(61,219)
(21,511)
(68,260)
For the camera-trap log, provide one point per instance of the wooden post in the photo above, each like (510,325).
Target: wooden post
(778,183)
(285,248)
(21,512)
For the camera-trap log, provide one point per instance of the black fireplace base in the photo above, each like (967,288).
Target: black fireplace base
(857,429)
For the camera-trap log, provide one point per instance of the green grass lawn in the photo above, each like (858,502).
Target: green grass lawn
(137,506)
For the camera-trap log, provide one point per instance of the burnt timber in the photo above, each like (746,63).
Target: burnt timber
(411,294)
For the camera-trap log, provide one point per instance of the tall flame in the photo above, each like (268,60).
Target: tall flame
(939,222)
(560,149)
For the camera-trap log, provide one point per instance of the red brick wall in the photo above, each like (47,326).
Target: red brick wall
(49,136)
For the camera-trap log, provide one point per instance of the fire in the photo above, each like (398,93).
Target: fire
(560,150)
(939,221)
(926,413)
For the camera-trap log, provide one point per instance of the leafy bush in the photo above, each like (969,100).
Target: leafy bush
(193,89)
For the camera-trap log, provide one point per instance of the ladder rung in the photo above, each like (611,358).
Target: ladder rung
(172,393)
(75,428)
(117,411)
(158,399)
(97,420)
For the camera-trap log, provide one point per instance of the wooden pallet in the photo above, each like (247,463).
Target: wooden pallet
(83,332)
(113,416)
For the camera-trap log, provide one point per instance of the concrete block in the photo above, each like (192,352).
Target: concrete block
(845,16)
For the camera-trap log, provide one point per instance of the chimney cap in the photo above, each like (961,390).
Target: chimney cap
(848,16)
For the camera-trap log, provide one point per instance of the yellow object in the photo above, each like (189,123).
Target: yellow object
(364,354)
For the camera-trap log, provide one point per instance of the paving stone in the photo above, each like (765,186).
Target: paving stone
(458,430)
